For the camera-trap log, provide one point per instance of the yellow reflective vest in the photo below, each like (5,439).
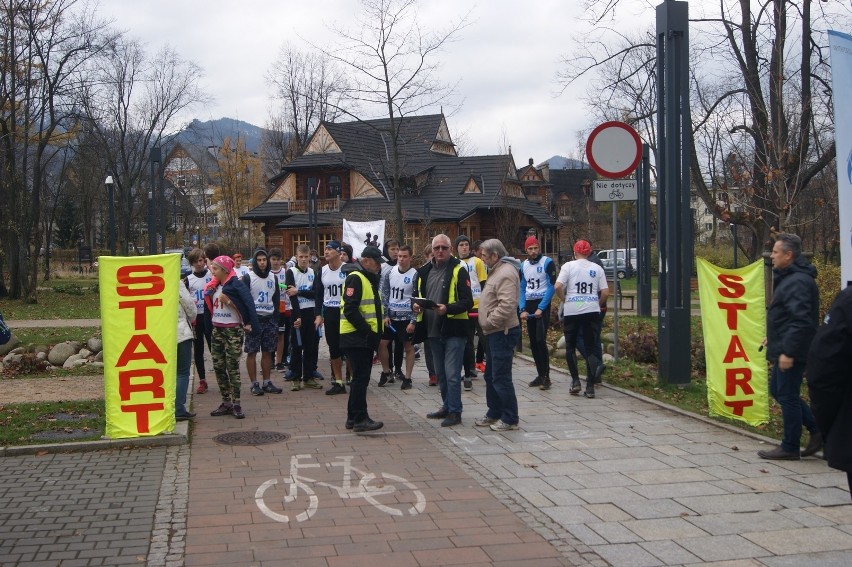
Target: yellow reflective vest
(367,308)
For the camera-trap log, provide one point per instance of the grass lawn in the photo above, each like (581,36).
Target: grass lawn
(49,422)
(65,300)
(55,335)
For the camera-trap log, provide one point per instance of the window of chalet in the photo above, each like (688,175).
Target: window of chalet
(333,186)
(299,239)
(304,238)
(324,238)
(309,185)
(412,238)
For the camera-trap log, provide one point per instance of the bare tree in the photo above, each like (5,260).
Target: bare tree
(133,100)
(393,68)
(44,47)
(760,102)
(276,144)
(311,89)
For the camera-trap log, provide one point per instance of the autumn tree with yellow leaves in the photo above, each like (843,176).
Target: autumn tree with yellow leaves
(240,186)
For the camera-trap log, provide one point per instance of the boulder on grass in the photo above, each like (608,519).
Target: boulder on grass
(95,344)
(61,352)
(13,343)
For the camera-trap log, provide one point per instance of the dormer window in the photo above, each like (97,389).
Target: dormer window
(333,186)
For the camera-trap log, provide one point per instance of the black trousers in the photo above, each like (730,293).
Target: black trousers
(572,326)
(469,350)
(203,333)
(360,361)
(305,344)
(537,332)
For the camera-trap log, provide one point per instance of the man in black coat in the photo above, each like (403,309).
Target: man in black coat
(830,383)
(791,322)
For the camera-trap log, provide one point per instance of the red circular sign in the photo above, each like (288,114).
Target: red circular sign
(614,149)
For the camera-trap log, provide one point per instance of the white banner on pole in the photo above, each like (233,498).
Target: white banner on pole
(841,84)
(360,234)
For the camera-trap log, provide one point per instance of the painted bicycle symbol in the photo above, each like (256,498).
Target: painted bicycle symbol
(616,194)
(379,490)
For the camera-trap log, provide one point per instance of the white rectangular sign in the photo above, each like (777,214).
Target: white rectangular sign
(616,190)
(841,81)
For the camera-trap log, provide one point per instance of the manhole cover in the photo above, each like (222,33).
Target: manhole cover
(251,438)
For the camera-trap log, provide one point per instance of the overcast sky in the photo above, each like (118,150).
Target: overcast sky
(505,61)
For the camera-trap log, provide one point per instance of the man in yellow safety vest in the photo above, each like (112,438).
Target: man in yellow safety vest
(360,332)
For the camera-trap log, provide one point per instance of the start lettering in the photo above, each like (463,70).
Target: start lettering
(735,378)
(734,287)
(151,351)
(149,277)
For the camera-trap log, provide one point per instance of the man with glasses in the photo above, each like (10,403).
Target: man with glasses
(445,282)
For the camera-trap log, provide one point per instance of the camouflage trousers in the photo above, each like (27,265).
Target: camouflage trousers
(226,349)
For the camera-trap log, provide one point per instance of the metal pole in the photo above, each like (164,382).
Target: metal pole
(643,235)
(154,241)
(111,215)
(152,231)
(615,280)
(734,235)
(676,246)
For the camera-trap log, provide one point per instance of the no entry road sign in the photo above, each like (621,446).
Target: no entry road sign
(614,149)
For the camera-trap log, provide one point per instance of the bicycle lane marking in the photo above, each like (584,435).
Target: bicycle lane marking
(370,487)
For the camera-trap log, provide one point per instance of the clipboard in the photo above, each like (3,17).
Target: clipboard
(424,303)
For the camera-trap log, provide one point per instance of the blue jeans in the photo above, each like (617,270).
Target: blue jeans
(786,387)
(499,389)
(447,358)
(184,366)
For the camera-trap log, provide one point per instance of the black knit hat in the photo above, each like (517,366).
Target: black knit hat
(460,238)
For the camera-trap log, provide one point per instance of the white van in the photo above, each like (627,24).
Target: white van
(620,253)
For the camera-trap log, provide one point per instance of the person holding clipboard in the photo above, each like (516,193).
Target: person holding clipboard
(446,284)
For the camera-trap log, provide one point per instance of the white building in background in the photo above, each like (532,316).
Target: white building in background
(189,171)
(705,221)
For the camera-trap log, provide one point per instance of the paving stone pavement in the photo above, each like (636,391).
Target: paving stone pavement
(611,481)
(79,508)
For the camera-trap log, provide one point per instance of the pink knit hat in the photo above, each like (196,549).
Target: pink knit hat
(224,262)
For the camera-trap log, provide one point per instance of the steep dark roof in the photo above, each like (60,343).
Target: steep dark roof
(366,147)
(443,192)
(570,181)
(267,209)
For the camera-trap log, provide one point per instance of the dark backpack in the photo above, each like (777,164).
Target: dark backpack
(5,331)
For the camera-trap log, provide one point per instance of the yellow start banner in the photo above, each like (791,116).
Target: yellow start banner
(733,319)
(139,302)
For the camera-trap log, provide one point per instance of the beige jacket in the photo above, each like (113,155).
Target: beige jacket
(498,304)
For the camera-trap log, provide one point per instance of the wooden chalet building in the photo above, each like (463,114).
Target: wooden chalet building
(349,165)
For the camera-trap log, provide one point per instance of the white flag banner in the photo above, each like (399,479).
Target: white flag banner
(360,234)
(841,84)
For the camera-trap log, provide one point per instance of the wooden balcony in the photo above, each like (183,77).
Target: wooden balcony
(323,206)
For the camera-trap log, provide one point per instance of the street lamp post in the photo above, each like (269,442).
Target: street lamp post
(734,237)
(156,156)
(174,214)
(152,231)
(111,213)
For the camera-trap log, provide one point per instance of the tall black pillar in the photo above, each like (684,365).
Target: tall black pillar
(643,235)
(675,219)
